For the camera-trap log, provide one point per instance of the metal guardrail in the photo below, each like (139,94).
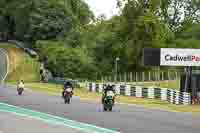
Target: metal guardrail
(164,94)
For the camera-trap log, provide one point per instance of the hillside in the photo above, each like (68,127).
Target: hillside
(21,65)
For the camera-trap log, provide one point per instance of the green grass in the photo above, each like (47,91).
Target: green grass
(157,104)
(22,66)
(96,97)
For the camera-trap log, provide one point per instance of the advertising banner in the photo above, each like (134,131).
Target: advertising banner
(179,57)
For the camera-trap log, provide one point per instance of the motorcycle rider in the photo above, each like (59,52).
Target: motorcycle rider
(108,88)
(20,84)
(66,85)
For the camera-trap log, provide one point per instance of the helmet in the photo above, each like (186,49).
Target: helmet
(109,87)
(67,83)
(21,81)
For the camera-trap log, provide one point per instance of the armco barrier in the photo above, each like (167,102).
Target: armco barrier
(133,91)
(164,94)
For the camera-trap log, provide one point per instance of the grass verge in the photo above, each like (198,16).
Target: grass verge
(22,66)
(96,97)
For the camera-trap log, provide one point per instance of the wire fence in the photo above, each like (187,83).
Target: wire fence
(146,76)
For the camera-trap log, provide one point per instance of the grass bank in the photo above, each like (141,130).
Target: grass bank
(21,65)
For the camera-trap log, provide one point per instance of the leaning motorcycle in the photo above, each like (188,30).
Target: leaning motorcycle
(108,101)
(20,90)
(67,95)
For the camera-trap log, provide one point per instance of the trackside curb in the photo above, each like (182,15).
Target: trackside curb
(53,119)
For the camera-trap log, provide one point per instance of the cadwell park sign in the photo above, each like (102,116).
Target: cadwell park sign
(171,57)
(188,58)
(179,57)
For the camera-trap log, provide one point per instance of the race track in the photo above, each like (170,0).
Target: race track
(127,119)
(11,123)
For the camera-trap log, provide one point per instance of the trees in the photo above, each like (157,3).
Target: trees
(65,61)
(142,28)
(11,12)
(49,21)
(42,20)
(189,37)
(172,12)
(79,48)
(176,12)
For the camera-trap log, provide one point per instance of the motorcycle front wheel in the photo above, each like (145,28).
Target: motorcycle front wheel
(104,109)
(19,93)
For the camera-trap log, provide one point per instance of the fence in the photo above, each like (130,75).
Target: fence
(164,94)
(3,65)
(144,76)
(61,81)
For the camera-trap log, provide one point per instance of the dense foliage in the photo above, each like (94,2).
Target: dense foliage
(41,19)
(76,45)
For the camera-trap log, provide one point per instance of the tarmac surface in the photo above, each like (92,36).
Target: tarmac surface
(10,123)
(126,119)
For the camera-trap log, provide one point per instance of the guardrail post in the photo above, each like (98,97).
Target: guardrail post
(138,91)
(136,78)
(93,87)
(186,98)
(125,80)
(151,92)
(177,97)
(176,75)
(118,89)
(149,75)
(100,88)
(164,94)
(143,76)
(127,90)
(131,77)
(168,75)
(171,96)
(162,75)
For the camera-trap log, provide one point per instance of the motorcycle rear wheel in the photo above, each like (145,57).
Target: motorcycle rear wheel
(19,93)
(67,100)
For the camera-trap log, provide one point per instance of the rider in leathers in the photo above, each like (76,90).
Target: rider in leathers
(20,84)
(108,88)
(66,85)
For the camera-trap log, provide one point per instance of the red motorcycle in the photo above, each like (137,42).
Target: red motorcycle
(67,94)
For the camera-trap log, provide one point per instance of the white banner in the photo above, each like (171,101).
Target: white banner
(179,57)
